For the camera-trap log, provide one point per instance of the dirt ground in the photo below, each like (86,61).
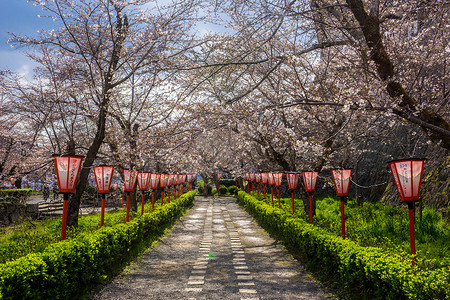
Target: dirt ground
(216,251)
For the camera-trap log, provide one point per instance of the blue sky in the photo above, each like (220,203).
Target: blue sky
(20,17)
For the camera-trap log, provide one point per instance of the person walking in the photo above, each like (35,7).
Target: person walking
(45,192)
(55,191)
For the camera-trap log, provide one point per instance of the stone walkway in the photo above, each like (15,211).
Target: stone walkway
(217,251)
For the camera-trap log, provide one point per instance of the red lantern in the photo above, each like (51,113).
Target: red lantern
(183,181)
(13,182)
(129,179)
(408,178)
(246,180)
(164,181)
(310,182)
(264,178)
(270,179)
(154,181)
(264,181)
(341,179)
(190,179)
(271,183)
(277,179)
(251,176)
(219,176)
(103,177)
(129,182)
(258,179)
(252,179)
(168,184)
(67,170)
(143,180)
(292,180)
(407,175)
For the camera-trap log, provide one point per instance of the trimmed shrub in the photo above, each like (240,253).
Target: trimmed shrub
(15,195)
(68,269)
(227,182)
(233,190)
(378,273)
(201,189)
(223,190)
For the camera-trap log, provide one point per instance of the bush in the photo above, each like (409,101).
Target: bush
(227,182)
(201,189)
(233,190)
(374,271)
(66,270)
(223,190)
(15,195)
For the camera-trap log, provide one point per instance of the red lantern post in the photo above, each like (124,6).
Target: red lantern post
(407,175)
(170,184)
(143,184)
(264,179)
(190,179)
(122,189)
(178,184)
(292,180)
(341,179)
(67,170)
(252,179)
(154,181)
(13,182)
(129,182)
(103,177)
(183,181)
(246,179)
(277,179)
(258,179)
(310,182)
(219,176)
(164,181)
(271,183)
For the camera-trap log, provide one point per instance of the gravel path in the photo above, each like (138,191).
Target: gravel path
(217,251)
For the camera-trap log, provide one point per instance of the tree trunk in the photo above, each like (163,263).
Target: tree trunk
(75,200)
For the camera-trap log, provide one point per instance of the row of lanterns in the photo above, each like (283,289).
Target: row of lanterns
(68,168)
(407,176)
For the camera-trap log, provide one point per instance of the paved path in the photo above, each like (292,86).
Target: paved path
(217,251)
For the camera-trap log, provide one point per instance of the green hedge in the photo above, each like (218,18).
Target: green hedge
(223,190)
(15,195)
(70,268)
(377,273)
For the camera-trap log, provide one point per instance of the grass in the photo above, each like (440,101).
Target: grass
(381,226)
(29,235)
